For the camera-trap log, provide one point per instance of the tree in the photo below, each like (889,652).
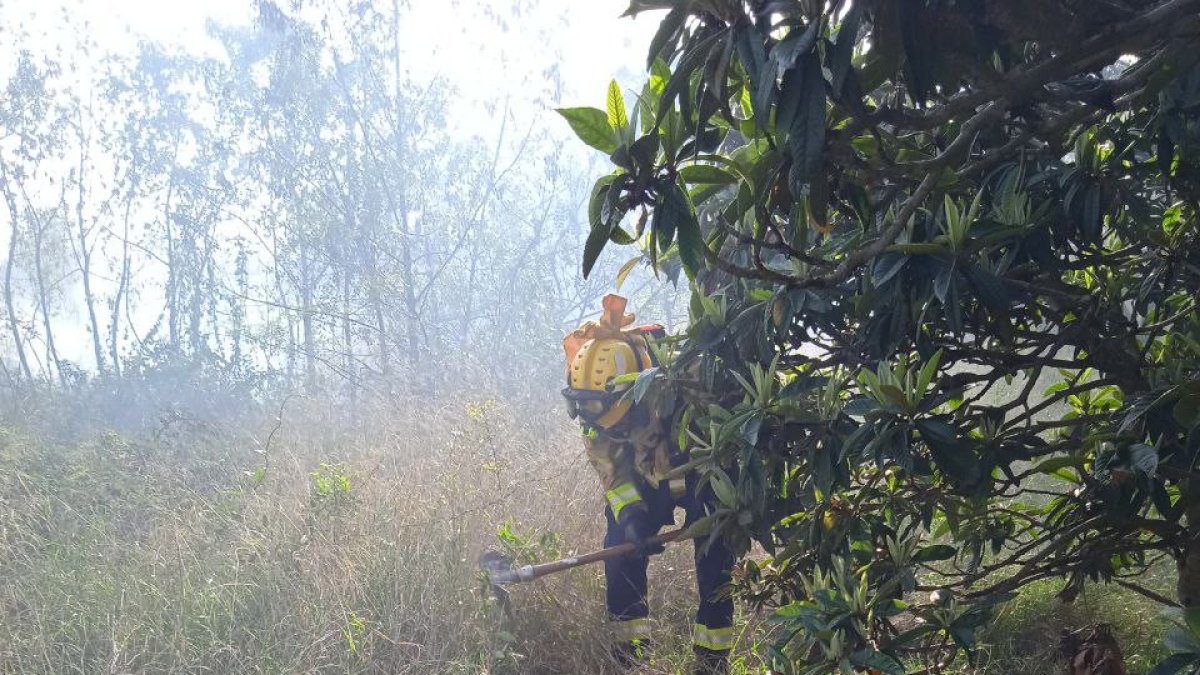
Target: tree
(24,107)
(943,336)
(301,210)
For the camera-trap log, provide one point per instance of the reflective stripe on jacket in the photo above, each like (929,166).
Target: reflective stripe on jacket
(623,464)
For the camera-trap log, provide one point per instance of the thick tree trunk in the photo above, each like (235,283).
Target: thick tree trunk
(1188,582)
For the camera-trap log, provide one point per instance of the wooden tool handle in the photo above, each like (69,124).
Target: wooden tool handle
(535,571)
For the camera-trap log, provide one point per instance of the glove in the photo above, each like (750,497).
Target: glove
(637,528)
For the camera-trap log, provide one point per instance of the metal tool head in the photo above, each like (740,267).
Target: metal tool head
(497,570)
(497,566)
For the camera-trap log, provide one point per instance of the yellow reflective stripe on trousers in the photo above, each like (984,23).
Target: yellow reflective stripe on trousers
(621,496)
(716,639)
(678,487)
(632,629)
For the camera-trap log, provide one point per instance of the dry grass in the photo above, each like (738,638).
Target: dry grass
(329,549)
(169,553)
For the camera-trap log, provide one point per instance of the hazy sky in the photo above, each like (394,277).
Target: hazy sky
(487,51)
(546,53)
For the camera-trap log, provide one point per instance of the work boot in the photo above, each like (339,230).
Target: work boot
(711,661)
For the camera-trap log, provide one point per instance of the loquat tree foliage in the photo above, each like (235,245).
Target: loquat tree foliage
(944,258)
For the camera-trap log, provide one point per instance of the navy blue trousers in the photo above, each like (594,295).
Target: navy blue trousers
(626,577)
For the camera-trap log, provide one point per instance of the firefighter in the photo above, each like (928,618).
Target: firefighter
(632,451)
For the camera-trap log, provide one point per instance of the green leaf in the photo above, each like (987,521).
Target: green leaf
(602,219)
(954,458)
(892,394)
(598,198)
(869,658)
(678,209)
(843,49)
(796,45)
(1174,664)
(644,151)
(623,273)
(1187,410)
(692,58)
(706,173)
(667,33)
(934,553)
(1144,458)
(700,528)
(597,238)
(764,94)
(989,288)
(723,487)
(620,236)
(664,221)
(1183,641)
(887,266)
(1053,465)
(928,371)
(1191,617)
(591,126)
(806,136)
(922,248)
(617,117)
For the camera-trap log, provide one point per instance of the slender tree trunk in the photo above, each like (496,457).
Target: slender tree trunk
(368,249)
(237,304)
(347,322)
(306,323)
(408,279)
(114,323)
(280,292)
(464,330)
(385,358)
(9,303)
(199,293)
(172,294)
(406,256)
(44,302)
(211,297)
(84,253)
(350,261)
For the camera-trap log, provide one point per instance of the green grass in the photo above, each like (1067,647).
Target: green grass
(213,553)
(1024,638)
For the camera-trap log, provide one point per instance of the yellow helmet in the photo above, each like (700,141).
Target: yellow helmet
(591,391)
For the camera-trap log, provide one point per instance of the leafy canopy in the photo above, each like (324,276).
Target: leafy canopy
(944,263)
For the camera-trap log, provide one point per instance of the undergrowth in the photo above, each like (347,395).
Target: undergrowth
(303,547)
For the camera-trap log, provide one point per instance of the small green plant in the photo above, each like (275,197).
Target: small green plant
(258,475)
(331,481)
(478,410)
(527,548)
(330,488)
(353,632)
